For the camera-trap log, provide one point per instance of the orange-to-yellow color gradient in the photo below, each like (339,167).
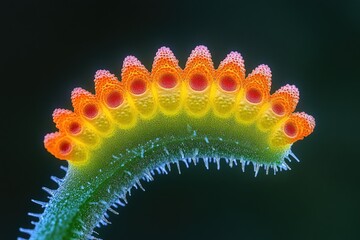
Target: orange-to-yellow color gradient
(169,91)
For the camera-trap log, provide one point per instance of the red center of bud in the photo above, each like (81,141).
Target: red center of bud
(228,84)
(75,128)
(167,81)
(290,129)
(65,147)
(138,87)
(114,99)
(253,95)
(198,82)
(278,109)
(90,110)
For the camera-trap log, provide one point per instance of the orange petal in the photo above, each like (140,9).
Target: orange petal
(199,76)
(86,105)
(230,74)
(64,148)
(294,128)
(134,76)
(257,84)
(109,91)
(167,77)
(136,80)
(284,100)
(229,78)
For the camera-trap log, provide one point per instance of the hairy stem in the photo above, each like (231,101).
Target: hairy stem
(87,192)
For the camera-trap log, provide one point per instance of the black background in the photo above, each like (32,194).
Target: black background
(50,47)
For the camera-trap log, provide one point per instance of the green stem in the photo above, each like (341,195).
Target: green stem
(87,192)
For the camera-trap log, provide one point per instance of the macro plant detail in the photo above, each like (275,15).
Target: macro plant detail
(151,121)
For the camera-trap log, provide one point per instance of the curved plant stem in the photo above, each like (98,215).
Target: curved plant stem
(88,192)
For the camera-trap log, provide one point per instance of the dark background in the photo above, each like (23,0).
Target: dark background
(50,47)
